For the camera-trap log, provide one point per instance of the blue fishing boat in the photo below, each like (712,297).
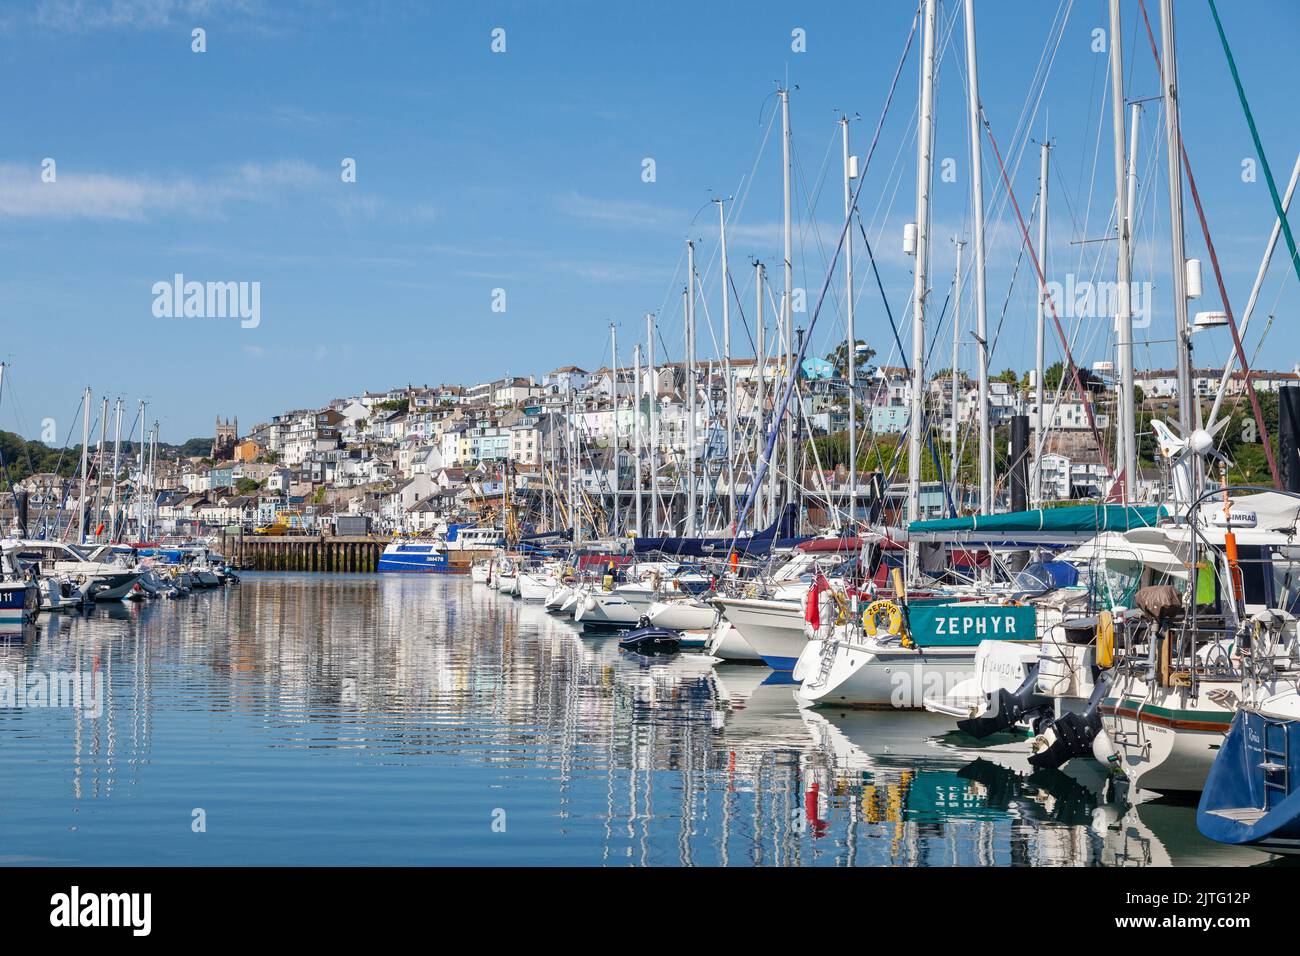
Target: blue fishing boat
(415,555)
(1250,796)
(19,602)
(20,596)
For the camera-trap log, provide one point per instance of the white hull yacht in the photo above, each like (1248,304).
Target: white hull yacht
(99,580)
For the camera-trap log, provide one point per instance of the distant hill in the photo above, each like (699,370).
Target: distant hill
(20,458)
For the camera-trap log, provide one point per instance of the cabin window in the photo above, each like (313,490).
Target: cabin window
(1286,580)
(1256,581)
(1115,581)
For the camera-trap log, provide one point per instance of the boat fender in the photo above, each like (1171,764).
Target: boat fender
(1106,818)
(873,612)
(1105,639)
(589,604)
(1103,751)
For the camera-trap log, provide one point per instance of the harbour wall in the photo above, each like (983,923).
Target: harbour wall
(329,553)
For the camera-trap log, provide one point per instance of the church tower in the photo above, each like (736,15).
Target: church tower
(223,446)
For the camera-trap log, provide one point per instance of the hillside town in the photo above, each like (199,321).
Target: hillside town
(412,458)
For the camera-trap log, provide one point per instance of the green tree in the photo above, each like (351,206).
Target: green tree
(1243,444)
(195,446)
(840,357)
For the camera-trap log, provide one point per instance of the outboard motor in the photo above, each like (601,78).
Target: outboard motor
(1072,734)
(1009,707)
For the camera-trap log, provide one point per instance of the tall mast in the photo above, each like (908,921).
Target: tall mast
(153,477)
(1040,341)
(728,385)
(760,396)
(924,167)
(956,373)
(153,464)
(683,462)
(548,466)
(977,208)
(99,468)
(613,385)
(636,432)
(787,301)
(654,423)
(1173,159)
(850,173)
(692,506)
(569,466)
(85,462)
(1135,114)
(139,478)
(1127,431)
(117,460)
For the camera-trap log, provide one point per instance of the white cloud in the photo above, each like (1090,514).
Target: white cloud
(614,271)
(94,195)
(90,195)
(620,212)
(286,172)
(80,16)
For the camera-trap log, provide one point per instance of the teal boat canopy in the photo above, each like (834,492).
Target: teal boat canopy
(1039,524)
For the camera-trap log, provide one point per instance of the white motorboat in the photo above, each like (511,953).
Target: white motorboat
(572,600)
(560,593)
(102,580)
(620,606)
(682,614)
(769,615)
(534,586)
(773,628)
(922,653)
(62,591)
(726,643)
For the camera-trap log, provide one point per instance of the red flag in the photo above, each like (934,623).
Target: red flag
(812,610)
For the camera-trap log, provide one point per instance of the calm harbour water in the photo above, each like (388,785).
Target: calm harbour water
(364,719)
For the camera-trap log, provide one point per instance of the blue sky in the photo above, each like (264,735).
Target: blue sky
(522,171)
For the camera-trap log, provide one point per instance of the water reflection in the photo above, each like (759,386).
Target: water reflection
(365,719)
